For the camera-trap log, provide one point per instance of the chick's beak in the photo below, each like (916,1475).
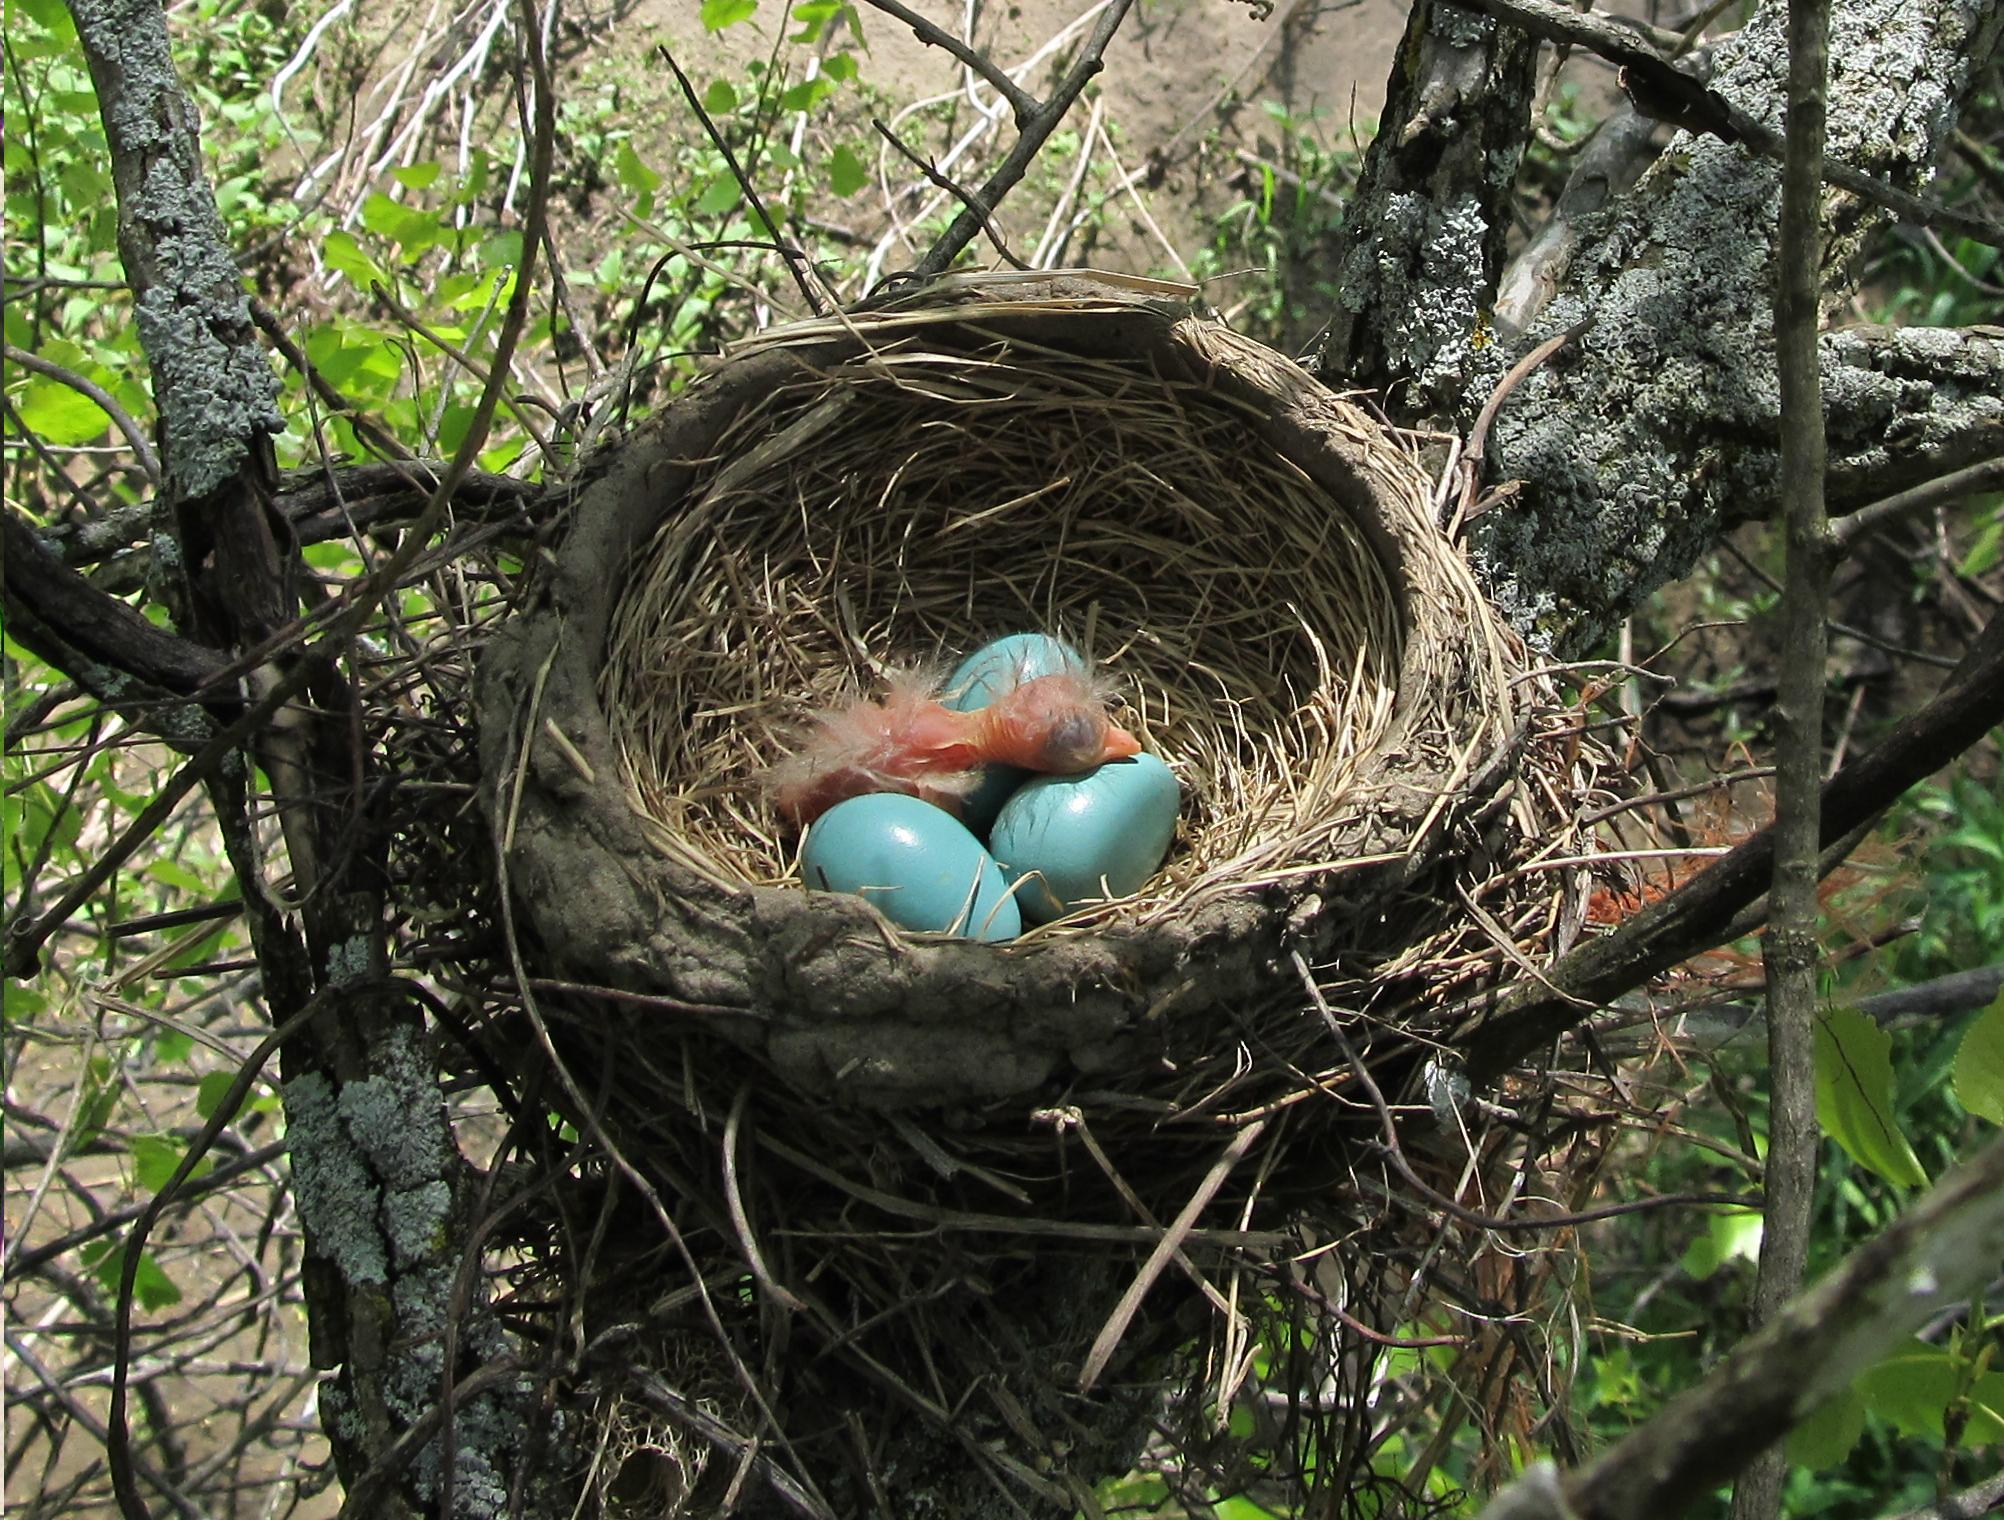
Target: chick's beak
(1119,744)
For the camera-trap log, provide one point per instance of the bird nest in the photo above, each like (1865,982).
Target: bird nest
(1250,558)
(885,1213)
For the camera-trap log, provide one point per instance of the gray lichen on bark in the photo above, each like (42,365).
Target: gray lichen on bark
(375,1172)
(1657,426)
(214,390)
(1422,244)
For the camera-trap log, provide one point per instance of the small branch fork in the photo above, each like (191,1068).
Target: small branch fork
(1035,122)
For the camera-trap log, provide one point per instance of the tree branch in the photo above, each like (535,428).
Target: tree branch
(1697,915)
(95,637)
(1659,429)
(1419,254)
(1789,955)
(1934,1255)
(1665,92)
(1029,142)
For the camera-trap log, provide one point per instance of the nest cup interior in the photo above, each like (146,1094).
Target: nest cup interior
(904,507)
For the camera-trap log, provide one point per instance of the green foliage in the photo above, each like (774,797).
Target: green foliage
(1979,1065)
(1269,247)
(1854,1095)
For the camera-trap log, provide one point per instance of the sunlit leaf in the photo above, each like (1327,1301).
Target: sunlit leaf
(1854,1095)
(418,176)
(721,98)
(1979,1065)
(718,14)
(847,173)
(1728,1234)
(345,256)
(59,415)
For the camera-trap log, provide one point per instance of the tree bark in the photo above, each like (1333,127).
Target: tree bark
(1654,430)
(1421,247)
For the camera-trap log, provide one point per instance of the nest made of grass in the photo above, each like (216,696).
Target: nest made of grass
(902,505)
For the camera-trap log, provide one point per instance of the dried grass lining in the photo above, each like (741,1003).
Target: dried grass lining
(918,498)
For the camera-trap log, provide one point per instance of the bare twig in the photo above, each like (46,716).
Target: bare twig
(1029,142)
(1020,101)
(816,302)
(967,198)
(1985,475)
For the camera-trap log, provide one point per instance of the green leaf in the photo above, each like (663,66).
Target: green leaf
(151,1286)
(502,251)
(721,98)
(1979,1065)
(813,16)
(95,1105)
(1854,1095)
(1827,1436)
(172,1048)
(718,14)
(722,196)
(631,173)
(1728,1234)
(806,95)
(840,67)
(155,1157)
(345,256)
(1912,1390)
(417,176)
(847,173)
(58,415)
(210,1092)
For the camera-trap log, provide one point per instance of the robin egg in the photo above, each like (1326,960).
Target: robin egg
(918,865)
(1070,840)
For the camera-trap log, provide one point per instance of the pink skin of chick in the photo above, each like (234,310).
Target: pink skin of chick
(908,742)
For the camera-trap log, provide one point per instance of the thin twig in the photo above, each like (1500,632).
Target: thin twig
(1985,475)
(815,301)
(1020,101)
(1029,143)
(974,207)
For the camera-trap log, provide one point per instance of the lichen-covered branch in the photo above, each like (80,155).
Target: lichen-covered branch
(395,1312)
(214,391)
(1660,427)
(1422,247)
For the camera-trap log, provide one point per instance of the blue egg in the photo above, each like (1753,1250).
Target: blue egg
(918,865)
(982,677)
(1075,839)
(995,667)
